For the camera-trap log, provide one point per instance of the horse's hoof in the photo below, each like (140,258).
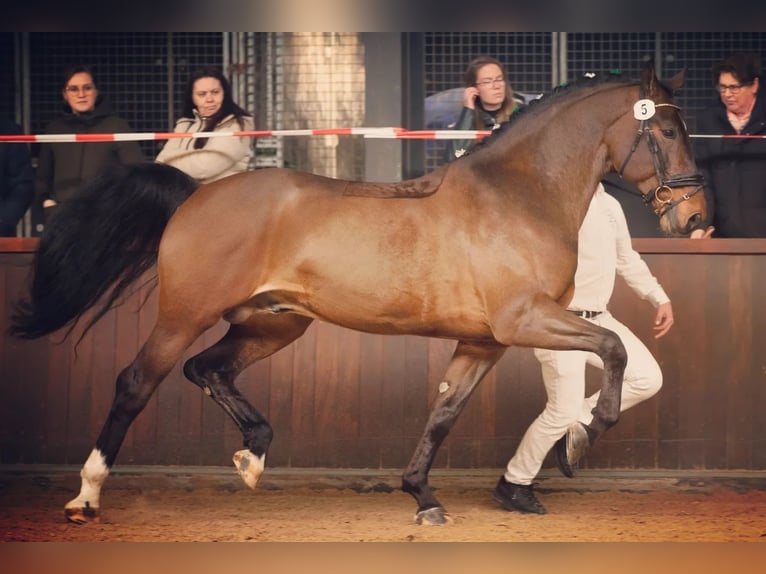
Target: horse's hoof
(435,516)
(571,447)
(82,515)
(249,466)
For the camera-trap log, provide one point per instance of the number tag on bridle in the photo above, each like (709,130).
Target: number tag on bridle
(643,109)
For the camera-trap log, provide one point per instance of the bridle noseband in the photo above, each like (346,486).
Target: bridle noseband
(664,182)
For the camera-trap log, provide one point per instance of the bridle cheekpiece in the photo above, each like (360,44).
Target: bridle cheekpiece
(644,110)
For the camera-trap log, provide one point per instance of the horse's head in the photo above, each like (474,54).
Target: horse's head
(651,147)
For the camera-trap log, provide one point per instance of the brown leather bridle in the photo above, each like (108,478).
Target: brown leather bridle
(662,195)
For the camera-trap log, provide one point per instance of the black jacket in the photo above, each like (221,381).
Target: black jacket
(734,170)
(16,180)
(456,148)
(63,167)
(465,121)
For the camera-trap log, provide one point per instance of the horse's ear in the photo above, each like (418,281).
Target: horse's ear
(648,77)
(677,81)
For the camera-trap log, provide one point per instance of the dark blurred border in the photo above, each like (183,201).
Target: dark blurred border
(385,16)
(325,558)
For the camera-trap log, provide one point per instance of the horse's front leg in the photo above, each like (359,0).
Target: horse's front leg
(579,437)
(547,325)
(469,364)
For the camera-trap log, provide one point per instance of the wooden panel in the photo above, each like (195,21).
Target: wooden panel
(346,399)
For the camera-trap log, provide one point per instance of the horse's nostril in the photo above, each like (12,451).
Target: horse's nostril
(693,222)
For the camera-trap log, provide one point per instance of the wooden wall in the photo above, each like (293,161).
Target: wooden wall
(338,398)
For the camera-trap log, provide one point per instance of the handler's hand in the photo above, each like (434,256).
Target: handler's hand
(664,320)
(702,233)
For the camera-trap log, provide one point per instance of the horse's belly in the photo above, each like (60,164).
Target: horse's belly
(370,313)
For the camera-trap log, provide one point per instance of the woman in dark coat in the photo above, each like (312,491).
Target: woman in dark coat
(16,180)
(735,169)
(64,167)
(488,102)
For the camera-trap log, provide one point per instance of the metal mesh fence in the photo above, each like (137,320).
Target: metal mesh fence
(314,80)
(697,52)
(531,60)
(142,74)
(604,52)
(323,86)
(527,57)
(7,78)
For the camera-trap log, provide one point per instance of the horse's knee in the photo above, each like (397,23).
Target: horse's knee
(615,353)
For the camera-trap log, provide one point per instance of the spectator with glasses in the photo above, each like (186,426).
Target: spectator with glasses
(488,102)
(735,168)
(63,167)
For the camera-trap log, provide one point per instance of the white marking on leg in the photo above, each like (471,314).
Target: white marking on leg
(93,475)
(443,387)
(249,466)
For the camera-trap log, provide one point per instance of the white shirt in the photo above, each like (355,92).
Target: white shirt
(604,250)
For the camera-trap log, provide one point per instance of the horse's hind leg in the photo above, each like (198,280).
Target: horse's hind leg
(215,370)
(135,385)
(469,364)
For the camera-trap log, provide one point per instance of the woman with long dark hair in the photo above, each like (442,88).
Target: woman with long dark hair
(209,107)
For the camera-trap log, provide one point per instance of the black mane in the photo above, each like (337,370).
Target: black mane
(547,100)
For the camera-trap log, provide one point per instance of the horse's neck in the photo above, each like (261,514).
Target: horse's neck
(572,145)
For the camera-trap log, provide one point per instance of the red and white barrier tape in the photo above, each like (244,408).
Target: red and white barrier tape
(383,133)
(375,133)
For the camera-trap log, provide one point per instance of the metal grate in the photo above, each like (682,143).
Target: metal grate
(533,63)
(527,57)
(267,87)
(603,52)
(323,79)
(314,80)
(143,74)
(698,52)
(7,78)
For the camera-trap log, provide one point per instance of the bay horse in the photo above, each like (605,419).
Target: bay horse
(482,251)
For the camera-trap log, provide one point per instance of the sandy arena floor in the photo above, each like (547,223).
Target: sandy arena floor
(211,504)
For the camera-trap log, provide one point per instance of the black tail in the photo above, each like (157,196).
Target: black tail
(107,235)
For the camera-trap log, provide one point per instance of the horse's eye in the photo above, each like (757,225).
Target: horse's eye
(669,133)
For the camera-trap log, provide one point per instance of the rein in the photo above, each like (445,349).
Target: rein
(663,193)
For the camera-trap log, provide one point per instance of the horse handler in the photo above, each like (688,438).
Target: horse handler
(605,248)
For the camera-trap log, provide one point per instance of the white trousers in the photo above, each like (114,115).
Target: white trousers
(564,378)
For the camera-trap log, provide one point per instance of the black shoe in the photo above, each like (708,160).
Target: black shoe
(517,497)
